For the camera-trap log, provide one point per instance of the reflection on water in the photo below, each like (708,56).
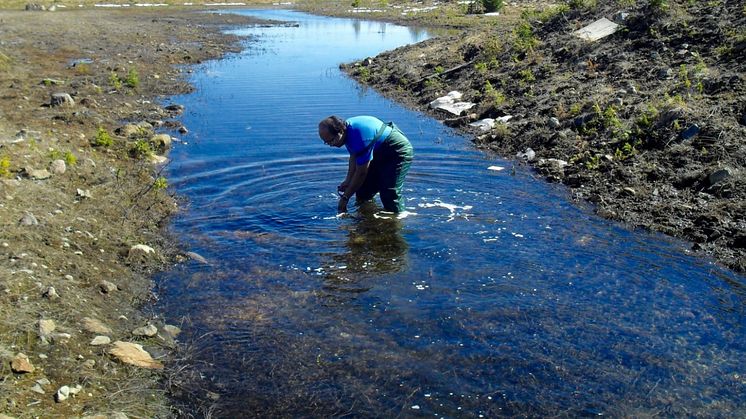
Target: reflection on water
(495,297)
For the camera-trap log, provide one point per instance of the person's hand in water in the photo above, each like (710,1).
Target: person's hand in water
(342,204)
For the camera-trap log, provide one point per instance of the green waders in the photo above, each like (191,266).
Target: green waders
(389,167)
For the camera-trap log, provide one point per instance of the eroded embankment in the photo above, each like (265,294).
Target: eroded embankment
(648,123)
(82,203)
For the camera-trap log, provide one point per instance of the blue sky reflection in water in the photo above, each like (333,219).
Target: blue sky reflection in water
(497,298)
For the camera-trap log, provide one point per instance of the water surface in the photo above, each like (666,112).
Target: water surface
(498,297)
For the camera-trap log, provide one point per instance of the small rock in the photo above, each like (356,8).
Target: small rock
(62,394)
(367,62)
(148,331)
(161,141)
(554,123)
(58,167)
(44,381)
(37,174)
(171,330)
(83,193)
(37,389)
(665,73)
(51,293)
(197,258)
(631,87)
(176,109)
(35,7)
(157,160)
(718,176)
(527,155)
(95,326)
(629,191)
(49,81)
(89,363)
(62,99)
(46,327)
(140,252)
(21,364)
(61,337)
(100,340)
(28,220)
(134,354)
(107,287)
(183,130)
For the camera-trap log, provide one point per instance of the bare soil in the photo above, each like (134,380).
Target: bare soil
(65,234)
(647,124)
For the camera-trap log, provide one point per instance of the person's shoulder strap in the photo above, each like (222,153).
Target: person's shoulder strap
(375,139)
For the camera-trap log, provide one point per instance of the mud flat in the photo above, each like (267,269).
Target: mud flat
(82,203)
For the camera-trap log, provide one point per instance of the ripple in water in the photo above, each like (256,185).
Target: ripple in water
(494,297)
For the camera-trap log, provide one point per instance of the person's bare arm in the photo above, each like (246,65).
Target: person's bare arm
(358,177)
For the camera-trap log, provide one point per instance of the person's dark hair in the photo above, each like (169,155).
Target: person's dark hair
(334,124)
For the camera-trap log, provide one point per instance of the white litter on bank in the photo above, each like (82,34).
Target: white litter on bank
(599,29)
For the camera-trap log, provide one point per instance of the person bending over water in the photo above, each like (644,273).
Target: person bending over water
(380,156)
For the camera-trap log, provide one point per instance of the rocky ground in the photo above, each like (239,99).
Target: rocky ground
(82,204)
(648,124)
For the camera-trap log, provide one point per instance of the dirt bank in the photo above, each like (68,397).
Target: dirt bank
(79,197)
(648,124)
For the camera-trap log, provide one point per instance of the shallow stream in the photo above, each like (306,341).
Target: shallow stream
(496,296)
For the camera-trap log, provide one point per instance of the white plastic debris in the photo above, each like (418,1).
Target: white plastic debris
(599,29)
(449,103)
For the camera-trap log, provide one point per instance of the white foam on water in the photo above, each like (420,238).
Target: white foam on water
(454,209)
(385,215)
(496,168)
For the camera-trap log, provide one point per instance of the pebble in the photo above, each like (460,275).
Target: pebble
(148,331)
(107,287)
(62,394)
(554,122)
(29,220)
(139,252)
(51,293)
(58,167)
(46,327)
(21,364)
(100,340)
(527,155)
(172,330)
(95,326)
(37,389)
(83,193)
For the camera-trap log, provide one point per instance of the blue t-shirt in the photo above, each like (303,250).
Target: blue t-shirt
(361,131)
